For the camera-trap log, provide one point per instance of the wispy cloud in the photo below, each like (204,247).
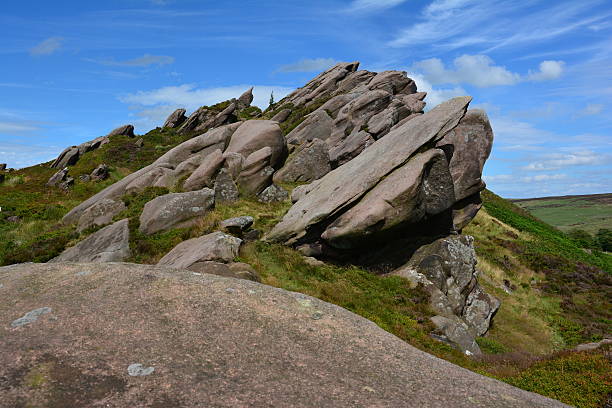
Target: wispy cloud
(366,6)
(47,47)
(309,65)
(590,110)
(454,24)
(143,61)
(481,71)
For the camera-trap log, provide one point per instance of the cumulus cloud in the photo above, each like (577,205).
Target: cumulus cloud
(365,6)
(143,61)
(556,161)
(47,47)
(309,65)
(548,70)
(481,71)
(435,96)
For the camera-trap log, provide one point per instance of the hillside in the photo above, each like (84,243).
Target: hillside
(587,212)
(554,295)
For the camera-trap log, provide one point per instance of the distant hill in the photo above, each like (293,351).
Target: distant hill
(588,212)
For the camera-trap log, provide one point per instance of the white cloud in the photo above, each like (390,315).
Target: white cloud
(555,161)
(481,71)
(47,47)
(309,65)
(19,155)
(543,177)
(364,6)
(590,109)
(14,127)
(435,96)
(143,61)
(548,70)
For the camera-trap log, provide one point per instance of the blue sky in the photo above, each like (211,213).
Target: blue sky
(74,70)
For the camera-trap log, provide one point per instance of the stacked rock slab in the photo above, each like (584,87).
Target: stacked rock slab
(358,108)
(71,155)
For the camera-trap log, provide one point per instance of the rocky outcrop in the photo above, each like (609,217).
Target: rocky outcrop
(245,100)
(125,130)
(101,213)
(447,270)
(176,119)
(344,187)
(71,155)
(210,341)
(110,244)
(281,116)
(100,173)
(255,135)
(226,190)
(273,194)
(218,247)
(205,118)
(237,225)
(58,177)
(203,176)
(175,210)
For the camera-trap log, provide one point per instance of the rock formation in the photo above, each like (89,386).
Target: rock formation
(175,119)
(125,130)
(110,244)
(71,155)
(124,335)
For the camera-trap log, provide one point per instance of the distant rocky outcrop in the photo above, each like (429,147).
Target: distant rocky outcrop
(175,119)
(125,335)
(71,155)
(125,130)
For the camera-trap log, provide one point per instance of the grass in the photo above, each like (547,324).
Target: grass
(589,213)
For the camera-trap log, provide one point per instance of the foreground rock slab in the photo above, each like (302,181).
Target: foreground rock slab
(127,335)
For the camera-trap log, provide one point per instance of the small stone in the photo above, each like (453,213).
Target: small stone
(30,317)
(138,370)
(273,193)
(237,225)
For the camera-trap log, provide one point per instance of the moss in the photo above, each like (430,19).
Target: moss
(491,346)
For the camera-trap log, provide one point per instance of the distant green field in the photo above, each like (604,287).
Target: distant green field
(587,212)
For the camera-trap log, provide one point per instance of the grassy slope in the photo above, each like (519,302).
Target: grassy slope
(590,212)
(561,294)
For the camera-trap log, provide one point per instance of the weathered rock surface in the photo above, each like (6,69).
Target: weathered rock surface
(101,213)
(175,119)
(218,246)
(237,270)
(211,341)
(310,162)
(447,269)
(273,194)
(344,186)
(110,244)
(175,210)
(281,116)
(100,173)
(255,135)
(226,190)
(317,125)
(205,118)
(58,177)
(125,130)
(237,225)
(256,173)
(245,100)
(69,157)
(203,176)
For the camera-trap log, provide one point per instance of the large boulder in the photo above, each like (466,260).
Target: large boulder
(203,176)
(69,157)
(175,119)
(100,173)
(101,213)
(226,190)
(126,335)
(218,246)
(237,270)
(281,116)
(125,130)
(310,162)
(257,171)
(110,244)
(245,100)
(255,135)
(345,186)
(447,269)
(58,177)
(175,210)
(470,144)
(420,189)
